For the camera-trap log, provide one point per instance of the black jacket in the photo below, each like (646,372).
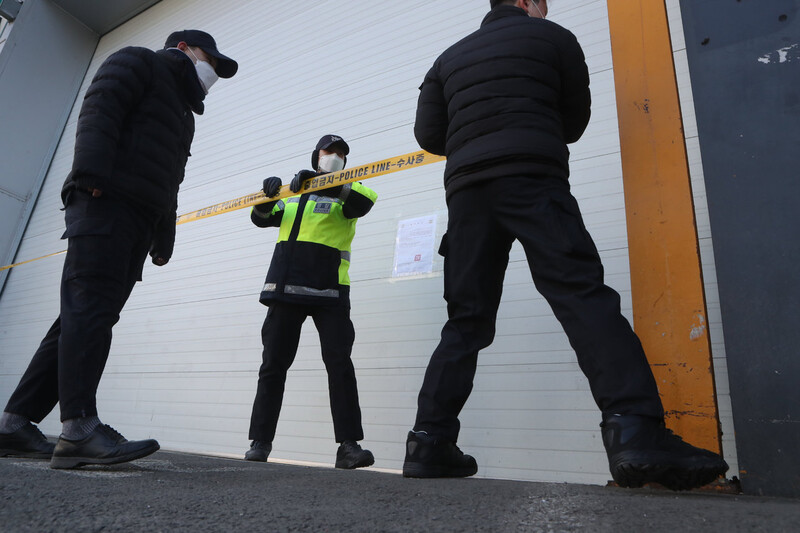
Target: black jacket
(134,132)
(505,100)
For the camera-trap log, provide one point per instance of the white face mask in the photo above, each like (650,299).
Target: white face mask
(330,163)
(205,72)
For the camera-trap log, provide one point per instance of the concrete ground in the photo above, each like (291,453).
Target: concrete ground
(174,492)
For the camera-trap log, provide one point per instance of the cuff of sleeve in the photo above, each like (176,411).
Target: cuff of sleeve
(86,182)
(264,210)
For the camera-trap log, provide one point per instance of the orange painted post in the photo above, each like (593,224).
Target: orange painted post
(669,308)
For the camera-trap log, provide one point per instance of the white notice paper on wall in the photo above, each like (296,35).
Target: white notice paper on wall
(413,251)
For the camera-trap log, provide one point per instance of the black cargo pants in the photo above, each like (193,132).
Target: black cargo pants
(280,336)
(484,220)
(108,242)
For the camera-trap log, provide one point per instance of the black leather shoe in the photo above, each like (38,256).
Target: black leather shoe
(259,451)
(104,446)
(642,450)
(350,456)
(27,441)
(428,456)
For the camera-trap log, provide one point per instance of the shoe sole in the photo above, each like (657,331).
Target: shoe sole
(65,463)
(357,464)
(674,478)
(26,455)
(419,470)
(256,458)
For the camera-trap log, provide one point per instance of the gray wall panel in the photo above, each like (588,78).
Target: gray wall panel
(9,213)
(42,66)
(744,59)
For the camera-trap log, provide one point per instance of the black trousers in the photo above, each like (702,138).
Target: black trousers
(281,336)
(108,242)
(484,220)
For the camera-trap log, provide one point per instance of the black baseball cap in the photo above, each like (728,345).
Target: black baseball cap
(226,67)
(329,140)
(326,142)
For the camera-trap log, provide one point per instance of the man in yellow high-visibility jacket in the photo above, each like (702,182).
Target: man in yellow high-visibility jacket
(309,276)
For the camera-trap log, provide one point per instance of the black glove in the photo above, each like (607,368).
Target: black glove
(299,178)
(271,186)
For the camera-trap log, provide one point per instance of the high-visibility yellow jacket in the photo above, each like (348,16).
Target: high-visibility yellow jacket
(312,256)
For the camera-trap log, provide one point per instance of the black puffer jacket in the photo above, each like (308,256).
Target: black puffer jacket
(505,100)
(134,133)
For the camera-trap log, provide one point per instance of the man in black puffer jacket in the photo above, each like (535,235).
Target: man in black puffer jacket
(502,104)
(133,137)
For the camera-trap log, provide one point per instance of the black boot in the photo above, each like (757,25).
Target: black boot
(641,450)
(259,451)
(350,456)
(27,441)
(428,456)
(104,446)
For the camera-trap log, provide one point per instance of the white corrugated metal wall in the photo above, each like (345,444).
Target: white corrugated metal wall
(185,354)
(5,29)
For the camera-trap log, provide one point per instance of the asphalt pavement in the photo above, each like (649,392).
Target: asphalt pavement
(174,492)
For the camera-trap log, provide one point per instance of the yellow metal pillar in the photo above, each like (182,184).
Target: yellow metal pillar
(669,307)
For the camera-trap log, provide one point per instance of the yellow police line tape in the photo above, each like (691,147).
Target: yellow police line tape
(8,267)
(325,181)
(370,170)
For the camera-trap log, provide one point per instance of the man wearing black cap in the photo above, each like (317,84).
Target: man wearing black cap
(502,104)
(308,276)
(133,137)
